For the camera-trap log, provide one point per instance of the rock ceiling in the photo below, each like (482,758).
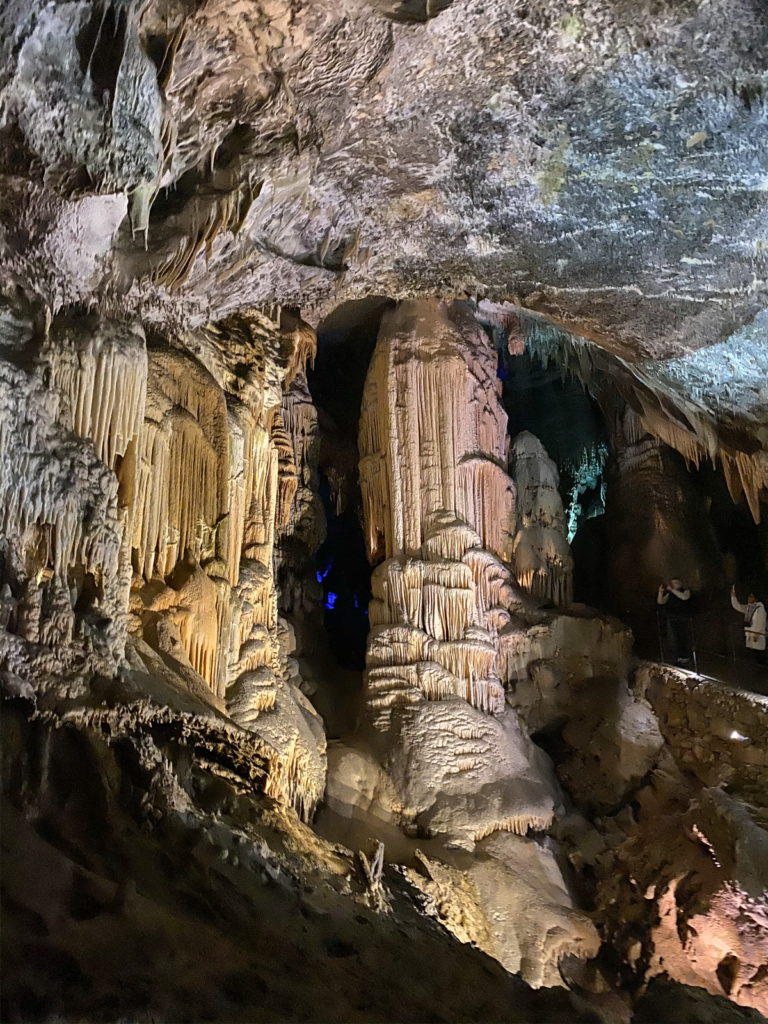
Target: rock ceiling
(605,163)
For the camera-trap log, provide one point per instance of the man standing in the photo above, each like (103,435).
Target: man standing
(754,625)
(676,597)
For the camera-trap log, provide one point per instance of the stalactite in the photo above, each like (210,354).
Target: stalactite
(196,605)
(287,477)
(679,422)
(292,781)
(174,465)
(101,376)
(50,483)
(300,419)
(518,825)
(182,460)
(152,487)
(209,216)
(242,430)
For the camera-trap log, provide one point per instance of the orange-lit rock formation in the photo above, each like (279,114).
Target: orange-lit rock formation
(171,462)
(439,508)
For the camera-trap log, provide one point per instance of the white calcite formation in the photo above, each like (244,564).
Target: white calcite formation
(439,508)
(143,487)
(540,551)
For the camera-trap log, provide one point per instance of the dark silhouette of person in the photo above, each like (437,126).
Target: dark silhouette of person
(675,599)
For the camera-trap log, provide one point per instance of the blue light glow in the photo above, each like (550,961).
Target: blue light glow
(330,601)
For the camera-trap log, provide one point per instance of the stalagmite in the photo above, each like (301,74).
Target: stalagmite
(300,536)
(432,433)
(287,478)
(439,504)
(300,418)
(445,633)
(540,552)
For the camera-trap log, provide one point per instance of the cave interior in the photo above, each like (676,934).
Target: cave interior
(384,540)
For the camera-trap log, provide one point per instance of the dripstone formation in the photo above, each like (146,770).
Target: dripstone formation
(434,331)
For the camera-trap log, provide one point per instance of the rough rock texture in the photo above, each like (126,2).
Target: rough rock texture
(521,888)
(143,883)
(181,184)
(529,150)
(138,467)
(682,890)
(614,742)
(717,733)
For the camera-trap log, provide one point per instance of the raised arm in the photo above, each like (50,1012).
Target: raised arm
(735,602)
(662,596)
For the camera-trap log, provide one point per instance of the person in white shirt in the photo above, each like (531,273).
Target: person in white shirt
(754,625)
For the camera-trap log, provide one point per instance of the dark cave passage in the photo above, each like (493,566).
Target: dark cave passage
(571,426)
(626,519)
(345,344)
(567,421)
(333,627)
(344,573)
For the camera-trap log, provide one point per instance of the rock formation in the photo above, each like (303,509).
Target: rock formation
(540,552)
(137,467)
(440,509)
(192,196)
(697,853)
(657,524)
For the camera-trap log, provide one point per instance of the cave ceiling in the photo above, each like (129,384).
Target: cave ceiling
(604,163)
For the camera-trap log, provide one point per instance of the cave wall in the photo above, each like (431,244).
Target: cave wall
(657,523)
(145,488)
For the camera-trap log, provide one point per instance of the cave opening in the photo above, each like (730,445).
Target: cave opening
(330,615)
(567,421)
(345,344)
(342,569)
(638,511)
